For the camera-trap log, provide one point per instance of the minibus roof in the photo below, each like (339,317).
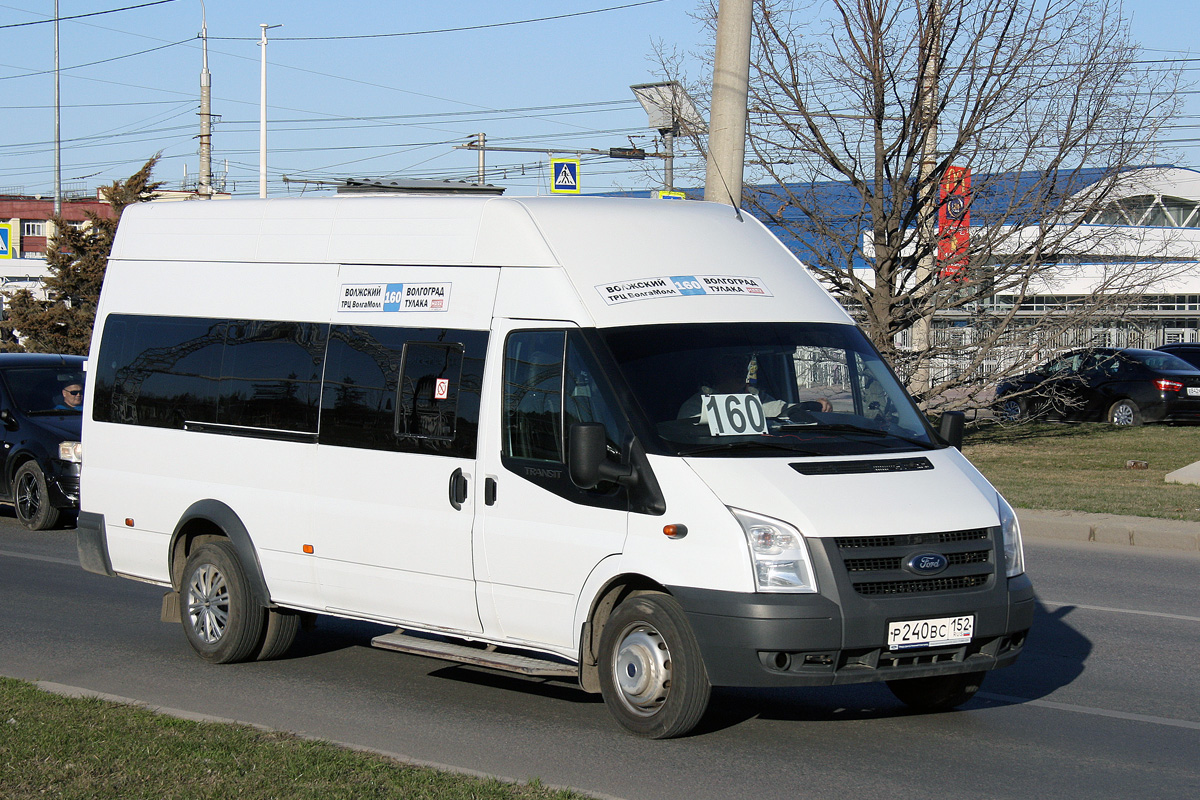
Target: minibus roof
(630,260)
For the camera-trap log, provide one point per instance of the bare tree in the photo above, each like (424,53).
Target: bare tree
(863,113)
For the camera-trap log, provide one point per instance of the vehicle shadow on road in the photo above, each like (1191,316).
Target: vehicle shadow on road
(1055,655)
(557,688)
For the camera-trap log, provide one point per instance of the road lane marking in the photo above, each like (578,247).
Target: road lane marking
(1183,617)
(70,562)
(1096,712)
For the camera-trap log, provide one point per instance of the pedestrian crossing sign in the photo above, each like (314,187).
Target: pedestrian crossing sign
(564,176)
(6,240)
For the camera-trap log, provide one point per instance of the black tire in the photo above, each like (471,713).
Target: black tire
(939,693)
(1125,413)
(281,629)
(652,676)
(221,621)
(31,499)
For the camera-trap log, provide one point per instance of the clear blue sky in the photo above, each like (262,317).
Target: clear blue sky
(390,106)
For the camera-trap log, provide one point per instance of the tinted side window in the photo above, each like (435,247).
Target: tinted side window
(429,380)
(158,371)
(533,380)
(271,375)
(365,403)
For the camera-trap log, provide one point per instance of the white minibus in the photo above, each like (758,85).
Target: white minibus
(630,443)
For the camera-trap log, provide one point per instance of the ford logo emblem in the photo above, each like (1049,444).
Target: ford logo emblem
(927,563)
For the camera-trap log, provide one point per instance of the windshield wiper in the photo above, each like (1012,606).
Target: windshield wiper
(846,427)
(746,444)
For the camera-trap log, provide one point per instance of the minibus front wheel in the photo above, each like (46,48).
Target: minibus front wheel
(222,622)
(652,676)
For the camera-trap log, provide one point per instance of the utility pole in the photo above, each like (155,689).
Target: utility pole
(730,88)
(57,125)
(927,186)
(262,113)
(204,187)
(481,143)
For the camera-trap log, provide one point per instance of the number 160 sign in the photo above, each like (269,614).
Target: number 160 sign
(734,414)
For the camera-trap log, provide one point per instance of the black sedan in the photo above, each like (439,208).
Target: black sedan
(1122,386)
(41,413)
(1188,352)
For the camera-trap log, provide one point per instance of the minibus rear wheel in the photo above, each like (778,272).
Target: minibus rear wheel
(222,622)
(281,629)
(937,693)
(652,676)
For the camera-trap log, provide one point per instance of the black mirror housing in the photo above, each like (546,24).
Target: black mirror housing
(587,461)
(951,428)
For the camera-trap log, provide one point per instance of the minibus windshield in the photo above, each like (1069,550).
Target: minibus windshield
(762,388)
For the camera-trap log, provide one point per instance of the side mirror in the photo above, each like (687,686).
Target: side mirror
(587,461)
(7,419)
(951,428)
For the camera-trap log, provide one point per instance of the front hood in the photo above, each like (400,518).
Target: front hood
(65,428)
(947,495)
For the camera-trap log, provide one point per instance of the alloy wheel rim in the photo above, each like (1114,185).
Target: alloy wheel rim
(208,604)
(28,501)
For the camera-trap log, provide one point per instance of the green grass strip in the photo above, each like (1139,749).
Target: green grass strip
(55,746)
(1083,467)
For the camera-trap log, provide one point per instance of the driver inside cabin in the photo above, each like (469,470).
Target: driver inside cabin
(730,373)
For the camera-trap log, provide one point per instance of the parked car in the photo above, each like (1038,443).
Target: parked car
(1188,352)
(41,413)
(1123,386)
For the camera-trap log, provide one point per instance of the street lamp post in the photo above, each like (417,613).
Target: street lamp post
(671,111)
(262,113)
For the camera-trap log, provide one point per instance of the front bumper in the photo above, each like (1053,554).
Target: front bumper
(62,484)
(840,635)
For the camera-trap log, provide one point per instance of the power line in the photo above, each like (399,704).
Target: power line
(440,30)
(94,63)
(83,16)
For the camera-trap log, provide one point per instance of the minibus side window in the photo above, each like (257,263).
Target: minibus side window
(158,371)
(545,394)
(586,398)
(427,407)
(271,375)
(381,389)
(533,379)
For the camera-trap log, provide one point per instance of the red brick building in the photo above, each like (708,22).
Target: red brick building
(30,216)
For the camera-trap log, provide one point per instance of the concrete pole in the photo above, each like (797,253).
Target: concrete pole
(57,124)
(204,187)
(730,88)
(482,139)
(922,330)
(669,171)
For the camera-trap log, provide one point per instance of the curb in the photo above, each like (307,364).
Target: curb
(1076,526)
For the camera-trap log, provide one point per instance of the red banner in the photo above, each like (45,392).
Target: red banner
(954,223)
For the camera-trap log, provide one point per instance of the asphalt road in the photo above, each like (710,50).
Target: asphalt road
(1105,703)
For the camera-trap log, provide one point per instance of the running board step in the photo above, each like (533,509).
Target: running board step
(448,651)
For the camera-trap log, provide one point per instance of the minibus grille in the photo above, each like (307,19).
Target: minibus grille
(922,586)
(894,562)
(882,566)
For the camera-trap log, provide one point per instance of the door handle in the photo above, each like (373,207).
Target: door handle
(489,491)
(458,489)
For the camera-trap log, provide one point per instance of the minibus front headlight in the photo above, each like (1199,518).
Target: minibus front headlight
(778,552)
(1014,552)
(71,451)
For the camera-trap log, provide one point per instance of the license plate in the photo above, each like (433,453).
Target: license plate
(940,632)
(1193,391)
